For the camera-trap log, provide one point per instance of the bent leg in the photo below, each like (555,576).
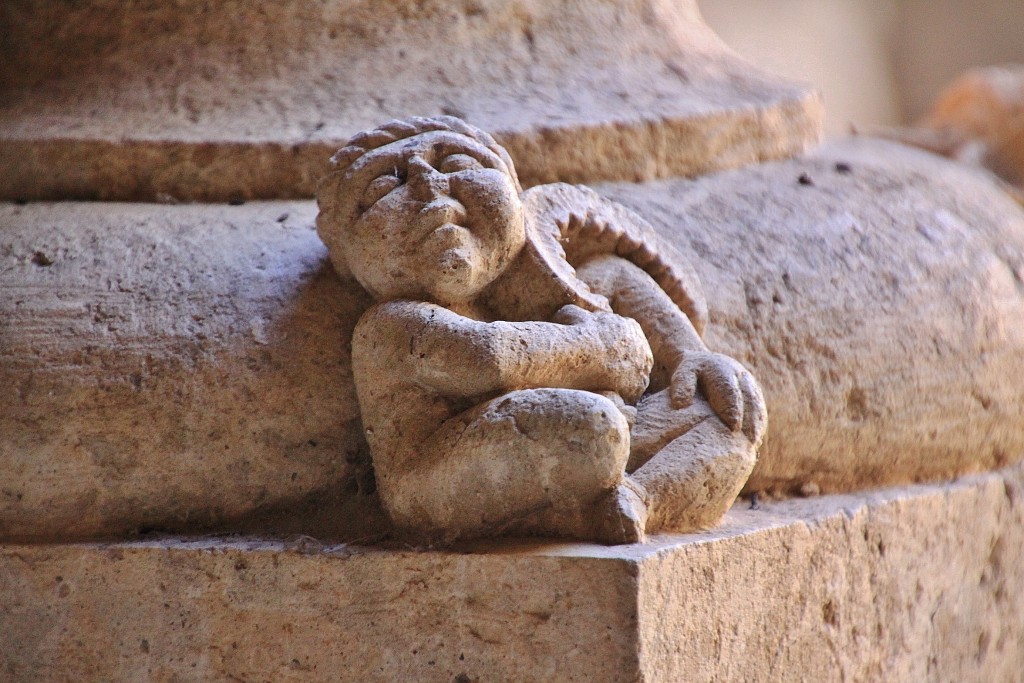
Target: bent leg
(691,465)
(499,462)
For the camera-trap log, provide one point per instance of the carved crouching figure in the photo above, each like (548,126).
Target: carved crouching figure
(533,363)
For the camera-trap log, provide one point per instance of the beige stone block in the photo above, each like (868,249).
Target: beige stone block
(914,584)
(210,101)
(170,366)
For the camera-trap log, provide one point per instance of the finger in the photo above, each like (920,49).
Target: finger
(570,314)
(723,391)
(755,415)
(683,385)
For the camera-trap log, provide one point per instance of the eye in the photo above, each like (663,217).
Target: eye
(454,163)
(378,189)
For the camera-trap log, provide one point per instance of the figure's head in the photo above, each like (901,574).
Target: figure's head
(423,208)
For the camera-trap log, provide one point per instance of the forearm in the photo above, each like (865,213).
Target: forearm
(634,294)
(461,356)
(539,354)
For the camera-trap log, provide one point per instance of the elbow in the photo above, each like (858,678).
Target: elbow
(457,362)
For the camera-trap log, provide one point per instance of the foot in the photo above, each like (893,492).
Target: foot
(620,515)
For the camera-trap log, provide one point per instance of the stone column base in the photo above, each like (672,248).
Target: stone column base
(917,583)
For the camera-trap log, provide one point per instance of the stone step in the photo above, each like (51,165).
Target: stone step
(215,101)
(922,583)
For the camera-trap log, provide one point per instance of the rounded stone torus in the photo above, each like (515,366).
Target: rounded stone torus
(190,367)
(876,292)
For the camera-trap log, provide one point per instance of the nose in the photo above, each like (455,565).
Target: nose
(425,182)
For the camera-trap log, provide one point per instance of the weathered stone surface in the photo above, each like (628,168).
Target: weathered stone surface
(879,307)
(877,292)
(916,584)
(500,385)
(208,100)
(169,366)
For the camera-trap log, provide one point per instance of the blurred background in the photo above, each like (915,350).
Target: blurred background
(875,61)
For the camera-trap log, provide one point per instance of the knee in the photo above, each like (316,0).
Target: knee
(522,451)
(582,437)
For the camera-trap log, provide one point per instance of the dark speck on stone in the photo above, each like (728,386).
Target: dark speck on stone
(452,110)
(236,201)
(282,218)
(843,167)
(805,179)
(41,259)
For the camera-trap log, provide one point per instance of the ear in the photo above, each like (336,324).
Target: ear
(330,221)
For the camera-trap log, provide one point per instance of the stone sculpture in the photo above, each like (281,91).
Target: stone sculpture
(533,363)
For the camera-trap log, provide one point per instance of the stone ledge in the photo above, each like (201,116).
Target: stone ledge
(212,101)
(919,583)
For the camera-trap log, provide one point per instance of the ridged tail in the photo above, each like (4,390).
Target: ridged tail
(589,225)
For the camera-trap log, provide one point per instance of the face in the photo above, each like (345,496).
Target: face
(439,218)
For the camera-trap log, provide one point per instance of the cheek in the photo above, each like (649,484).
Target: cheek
(489,198)
(388,223)
(381,240)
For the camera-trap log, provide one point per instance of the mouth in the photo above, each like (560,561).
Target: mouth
(449,236)
(443,210)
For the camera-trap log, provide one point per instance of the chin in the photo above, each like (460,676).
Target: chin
(459,292)
(462,287)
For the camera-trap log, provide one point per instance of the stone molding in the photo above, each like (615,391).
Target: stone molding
(208,101)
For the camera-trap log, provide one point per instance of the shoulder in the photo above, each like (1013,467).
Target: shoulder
(398,313)
(395,322)
(390,323)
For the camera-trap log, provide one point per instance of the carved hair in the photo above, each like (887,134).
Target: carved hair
(401,129)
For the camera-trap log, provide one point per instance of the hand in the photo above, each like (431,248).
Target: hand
(628,411)
(622,358)
(731,390)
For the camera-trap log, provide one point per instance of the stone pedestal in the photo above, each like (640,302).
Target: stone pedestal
(912,584)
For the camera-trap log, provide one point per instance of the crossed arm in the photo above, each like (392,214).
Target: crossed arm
(682,363)
(459,356)
(647,339)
